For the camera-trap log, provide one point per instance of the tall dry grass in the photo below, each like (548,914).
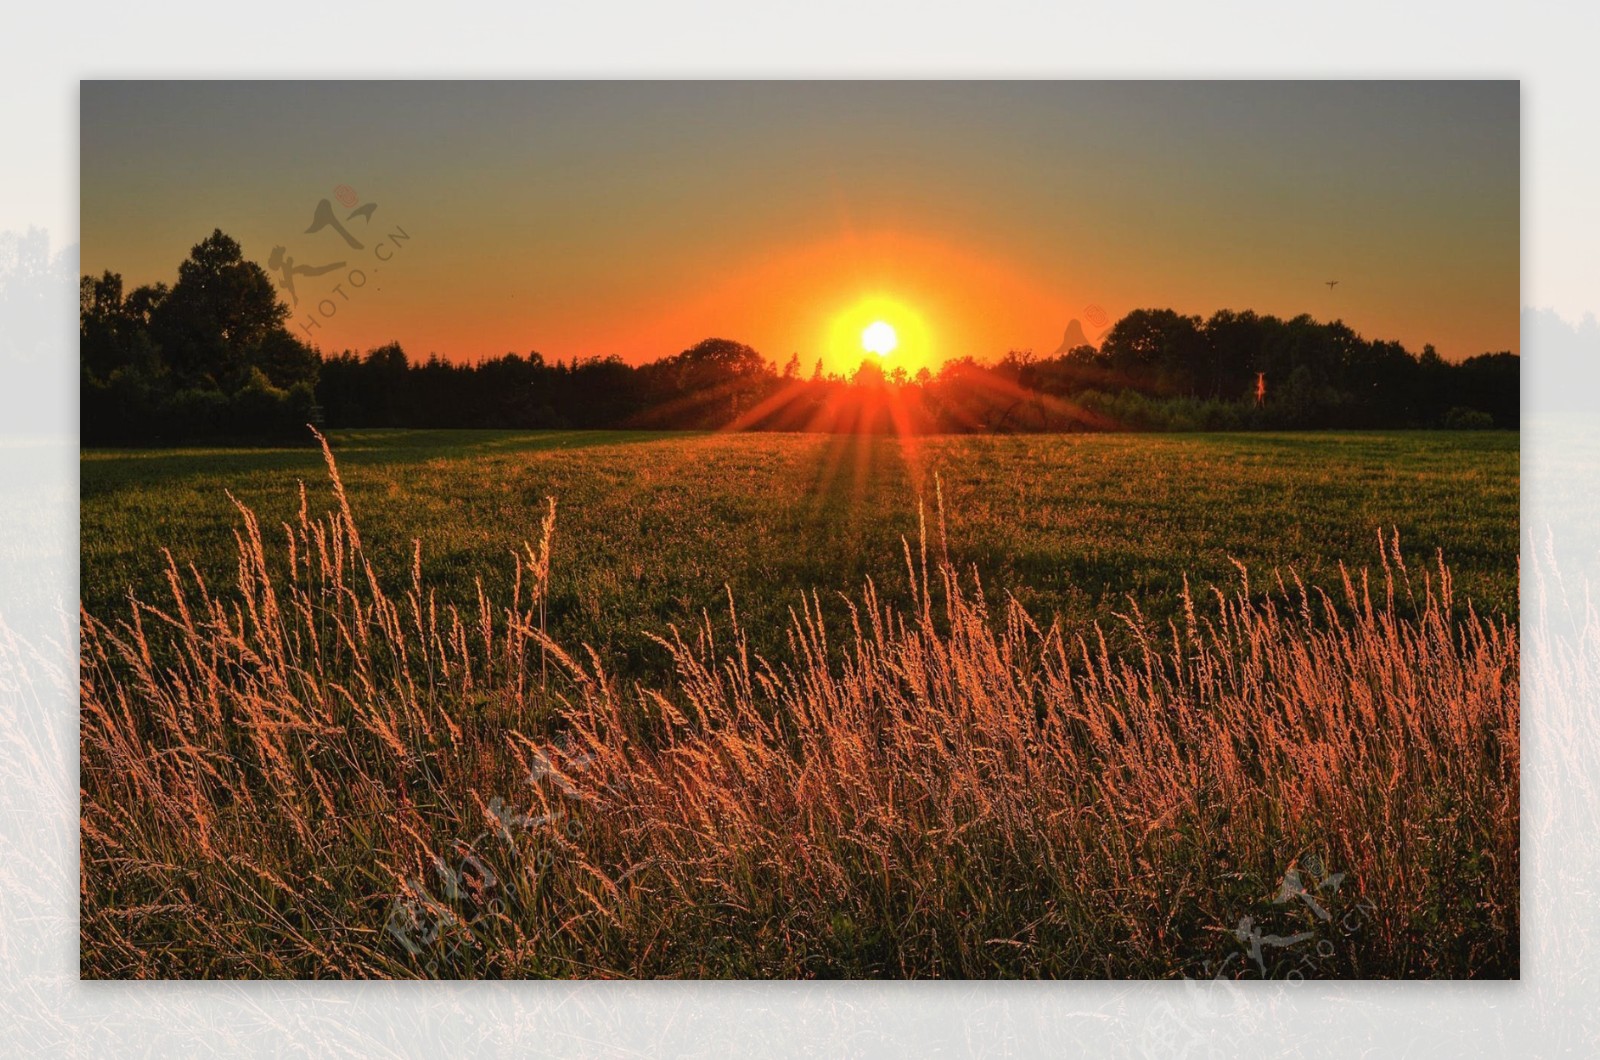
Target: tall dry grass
(324,771)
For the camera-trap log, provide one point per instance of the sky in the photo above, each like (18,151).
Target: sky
(637,218)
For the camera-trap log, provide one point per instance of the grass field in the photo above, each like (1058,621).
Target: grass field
(653,526)
(1043,757)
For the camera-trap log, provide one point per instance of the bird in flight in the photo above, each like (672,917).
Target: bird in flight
(1330,283)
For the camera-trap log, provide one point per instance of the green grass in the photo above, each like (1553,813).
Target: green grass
(652,526)
(326,775)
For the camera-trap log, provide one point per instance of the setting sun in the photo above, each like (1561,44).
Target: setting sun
(885,328)
(879,338)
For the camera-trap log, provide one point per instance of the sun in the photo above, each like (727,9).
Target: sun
(879,338)
(886,329)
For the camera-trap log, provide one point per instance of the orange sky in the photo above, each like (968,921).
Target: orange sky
(636,219)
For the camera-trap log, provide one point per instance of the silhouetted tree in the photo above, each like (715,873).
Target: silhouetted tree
(211,357)
(1156,350)
(215,322)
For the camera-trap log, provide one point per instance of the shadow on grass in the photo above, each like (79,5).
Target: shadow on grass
(374,447)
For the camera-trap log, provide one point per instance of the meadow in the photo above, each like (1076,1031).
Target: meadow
(656,528)
(778,705)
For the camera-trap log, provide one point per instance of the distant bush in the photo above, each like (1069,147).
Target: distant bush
(194,413)
(127,410)
(1465,419)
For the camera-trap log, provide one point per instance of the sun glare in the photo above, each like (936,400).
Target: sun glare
(879,338)
(878,327)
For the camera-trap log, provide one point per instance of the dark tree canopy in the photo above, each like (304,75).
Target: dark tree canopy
(211,357)
(223,309)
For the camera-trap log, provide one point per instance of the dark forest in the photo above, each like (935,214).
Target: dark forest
(211,358)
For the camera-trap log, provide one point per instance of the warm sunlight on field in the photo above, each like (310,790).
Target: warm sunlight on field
(338,767)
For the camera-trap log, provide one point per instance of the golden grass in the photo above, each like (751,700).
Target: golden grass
(324,772)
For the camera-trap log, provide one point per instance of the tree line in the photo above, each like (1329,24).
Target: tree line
(211,357)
